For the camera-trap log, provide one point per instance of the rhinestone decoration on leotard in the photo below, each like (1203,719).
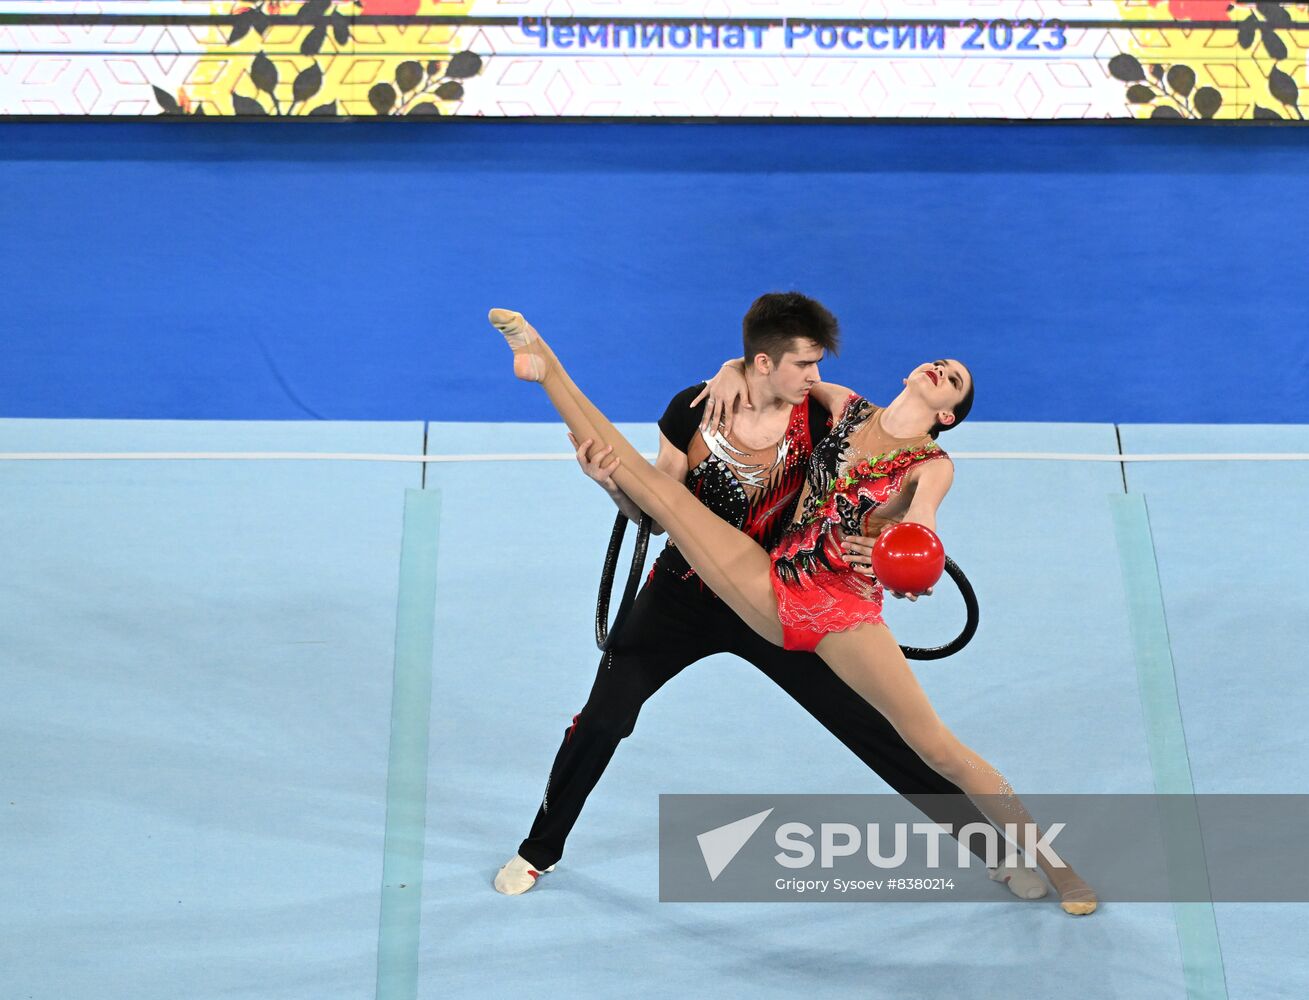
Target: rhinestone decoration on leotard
(756,497)
(840,492)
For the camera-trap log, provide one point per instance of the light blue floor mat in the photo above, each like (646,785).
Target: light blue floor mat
(1232,540)
(1051,663)
(197,678)
(196,705)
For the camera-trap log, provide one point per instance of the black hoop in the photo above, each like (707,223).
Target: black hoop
(603,632)
(970,625)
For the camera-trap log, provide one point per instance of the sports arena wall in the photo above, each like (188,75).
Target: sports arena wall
(343,271)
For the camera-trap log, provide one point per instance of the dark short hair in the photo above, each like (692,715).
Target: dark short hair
(961,409)
(776,319)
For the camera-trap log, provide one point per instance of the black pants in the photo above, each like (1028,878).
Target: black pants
(672,624)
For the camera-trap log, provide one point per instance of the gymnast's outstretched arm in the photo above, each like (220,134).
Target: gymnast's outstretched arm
(599,465)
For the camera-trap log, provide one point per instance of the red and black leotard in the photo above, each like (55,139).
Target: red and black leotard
(817,591)
(753,489)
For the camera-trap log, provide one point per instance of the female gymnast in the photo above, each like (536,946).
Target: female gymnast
(805,595)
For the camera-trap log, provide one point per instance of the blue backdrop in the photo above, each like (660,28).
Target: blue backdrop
(221,270)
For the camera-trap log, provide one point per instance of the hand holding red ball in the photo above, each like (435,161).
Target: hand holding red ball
(908,558)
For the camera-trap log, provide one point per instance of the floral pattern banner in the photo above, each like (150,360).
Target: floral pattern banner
(1161,60)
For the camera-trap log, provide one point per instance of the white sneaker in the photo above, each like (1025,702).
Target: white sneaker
(1023,882)
(517,876)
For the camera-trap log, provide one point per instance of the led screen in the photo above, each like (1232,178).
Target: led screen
(1179,60)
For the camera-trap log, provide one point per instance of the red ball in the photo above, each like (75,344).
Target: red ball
(908,558)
